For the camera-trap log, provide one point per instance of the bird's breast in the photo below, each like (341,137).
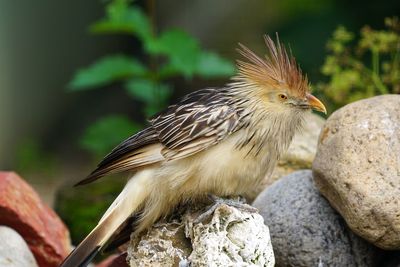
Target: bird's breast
(223,170)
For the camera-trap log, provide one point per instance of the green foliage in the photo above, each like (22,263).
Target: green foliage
(211,65)
(121,18)
(171,53)
(155,95)
(107,70)
(363,68)
(181,50)
(107,132)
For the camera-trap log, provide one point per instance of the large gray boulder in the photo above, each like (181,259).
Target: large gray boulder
(229,237)
(305,230)
(357,167)
(14,252)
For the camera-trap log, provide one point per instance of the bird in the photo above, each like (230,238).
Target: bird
(215,141)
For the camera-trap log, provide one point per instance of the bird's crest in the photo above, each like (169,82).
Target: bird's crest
(277,70)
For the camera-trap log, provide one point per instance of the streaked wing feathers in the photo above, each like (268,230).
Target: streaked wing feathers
(139,140)
(200,120)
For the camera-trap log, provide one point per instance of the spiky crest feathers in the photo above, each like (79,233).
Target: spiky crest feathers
(278,70)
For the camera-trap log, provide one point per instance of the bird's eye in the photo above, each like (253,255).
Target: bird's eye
(282,96)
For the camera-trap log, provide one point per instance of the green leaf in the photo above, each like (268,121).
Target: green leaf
(182,51)
(122,18)
(167,71)
(211,65)
(105,71)
(106,133)
(154,95)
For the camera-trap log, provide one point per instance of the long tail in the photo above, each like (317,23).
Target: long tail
(128,201)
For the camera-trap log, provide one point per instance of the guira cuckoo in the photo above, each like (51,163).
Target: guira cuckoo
(219,141)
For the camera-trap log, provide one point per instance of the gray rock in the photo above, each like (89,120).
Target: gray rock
(300,154)
(305,230)
(357,167)
(230,237)
(14,252)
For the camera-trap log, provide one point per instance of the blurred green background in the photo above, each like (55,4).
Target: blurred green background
(79,76)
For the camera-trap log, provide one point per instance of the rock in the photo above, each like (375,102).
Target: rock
(231,237)
(114,261)
(22,210)
(357,167)
(300,154)
(14,252)
(305,230)
(164,243)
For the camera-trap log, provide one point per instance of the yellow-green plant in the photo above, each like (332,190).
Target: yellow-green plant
(362,68)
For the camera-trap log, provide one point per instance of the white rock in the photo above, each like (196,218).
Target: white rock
(230,237)
(14,252)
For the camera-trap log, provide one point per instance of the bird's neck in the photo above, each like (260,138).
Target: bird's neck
(270,131)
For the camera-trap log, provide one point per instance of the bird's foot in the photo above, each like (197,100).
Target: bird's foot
(238,203)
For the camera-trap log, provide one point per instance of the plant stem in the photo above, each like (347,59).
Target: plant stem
(375,61)
(379,84)
(151,9)
(395,69)
(375,72)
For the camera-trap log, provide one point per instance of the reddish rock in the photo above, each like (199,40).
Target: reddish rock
(114,261)
(22,209)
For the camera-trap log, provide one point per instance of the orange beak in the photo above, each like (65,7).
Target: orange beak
(315,103)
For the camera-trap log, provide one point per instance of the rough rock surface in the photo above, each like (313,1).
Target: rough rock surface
(22,210)
(300,154)
(357,167)
(230,237)
(164,243)
(14,252)
(305,230)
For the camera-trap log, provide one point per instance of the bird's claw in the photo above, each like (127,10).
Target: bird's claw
(240,204)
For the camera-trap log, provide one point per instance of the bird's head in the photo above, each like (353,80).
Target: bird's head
(276,80)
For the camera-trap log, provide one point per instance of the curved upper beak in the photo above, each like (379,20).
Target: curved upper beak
(315,103)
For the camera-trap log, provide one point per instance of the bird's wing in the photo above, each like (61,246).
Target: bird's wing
(138,150)
(198,121)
